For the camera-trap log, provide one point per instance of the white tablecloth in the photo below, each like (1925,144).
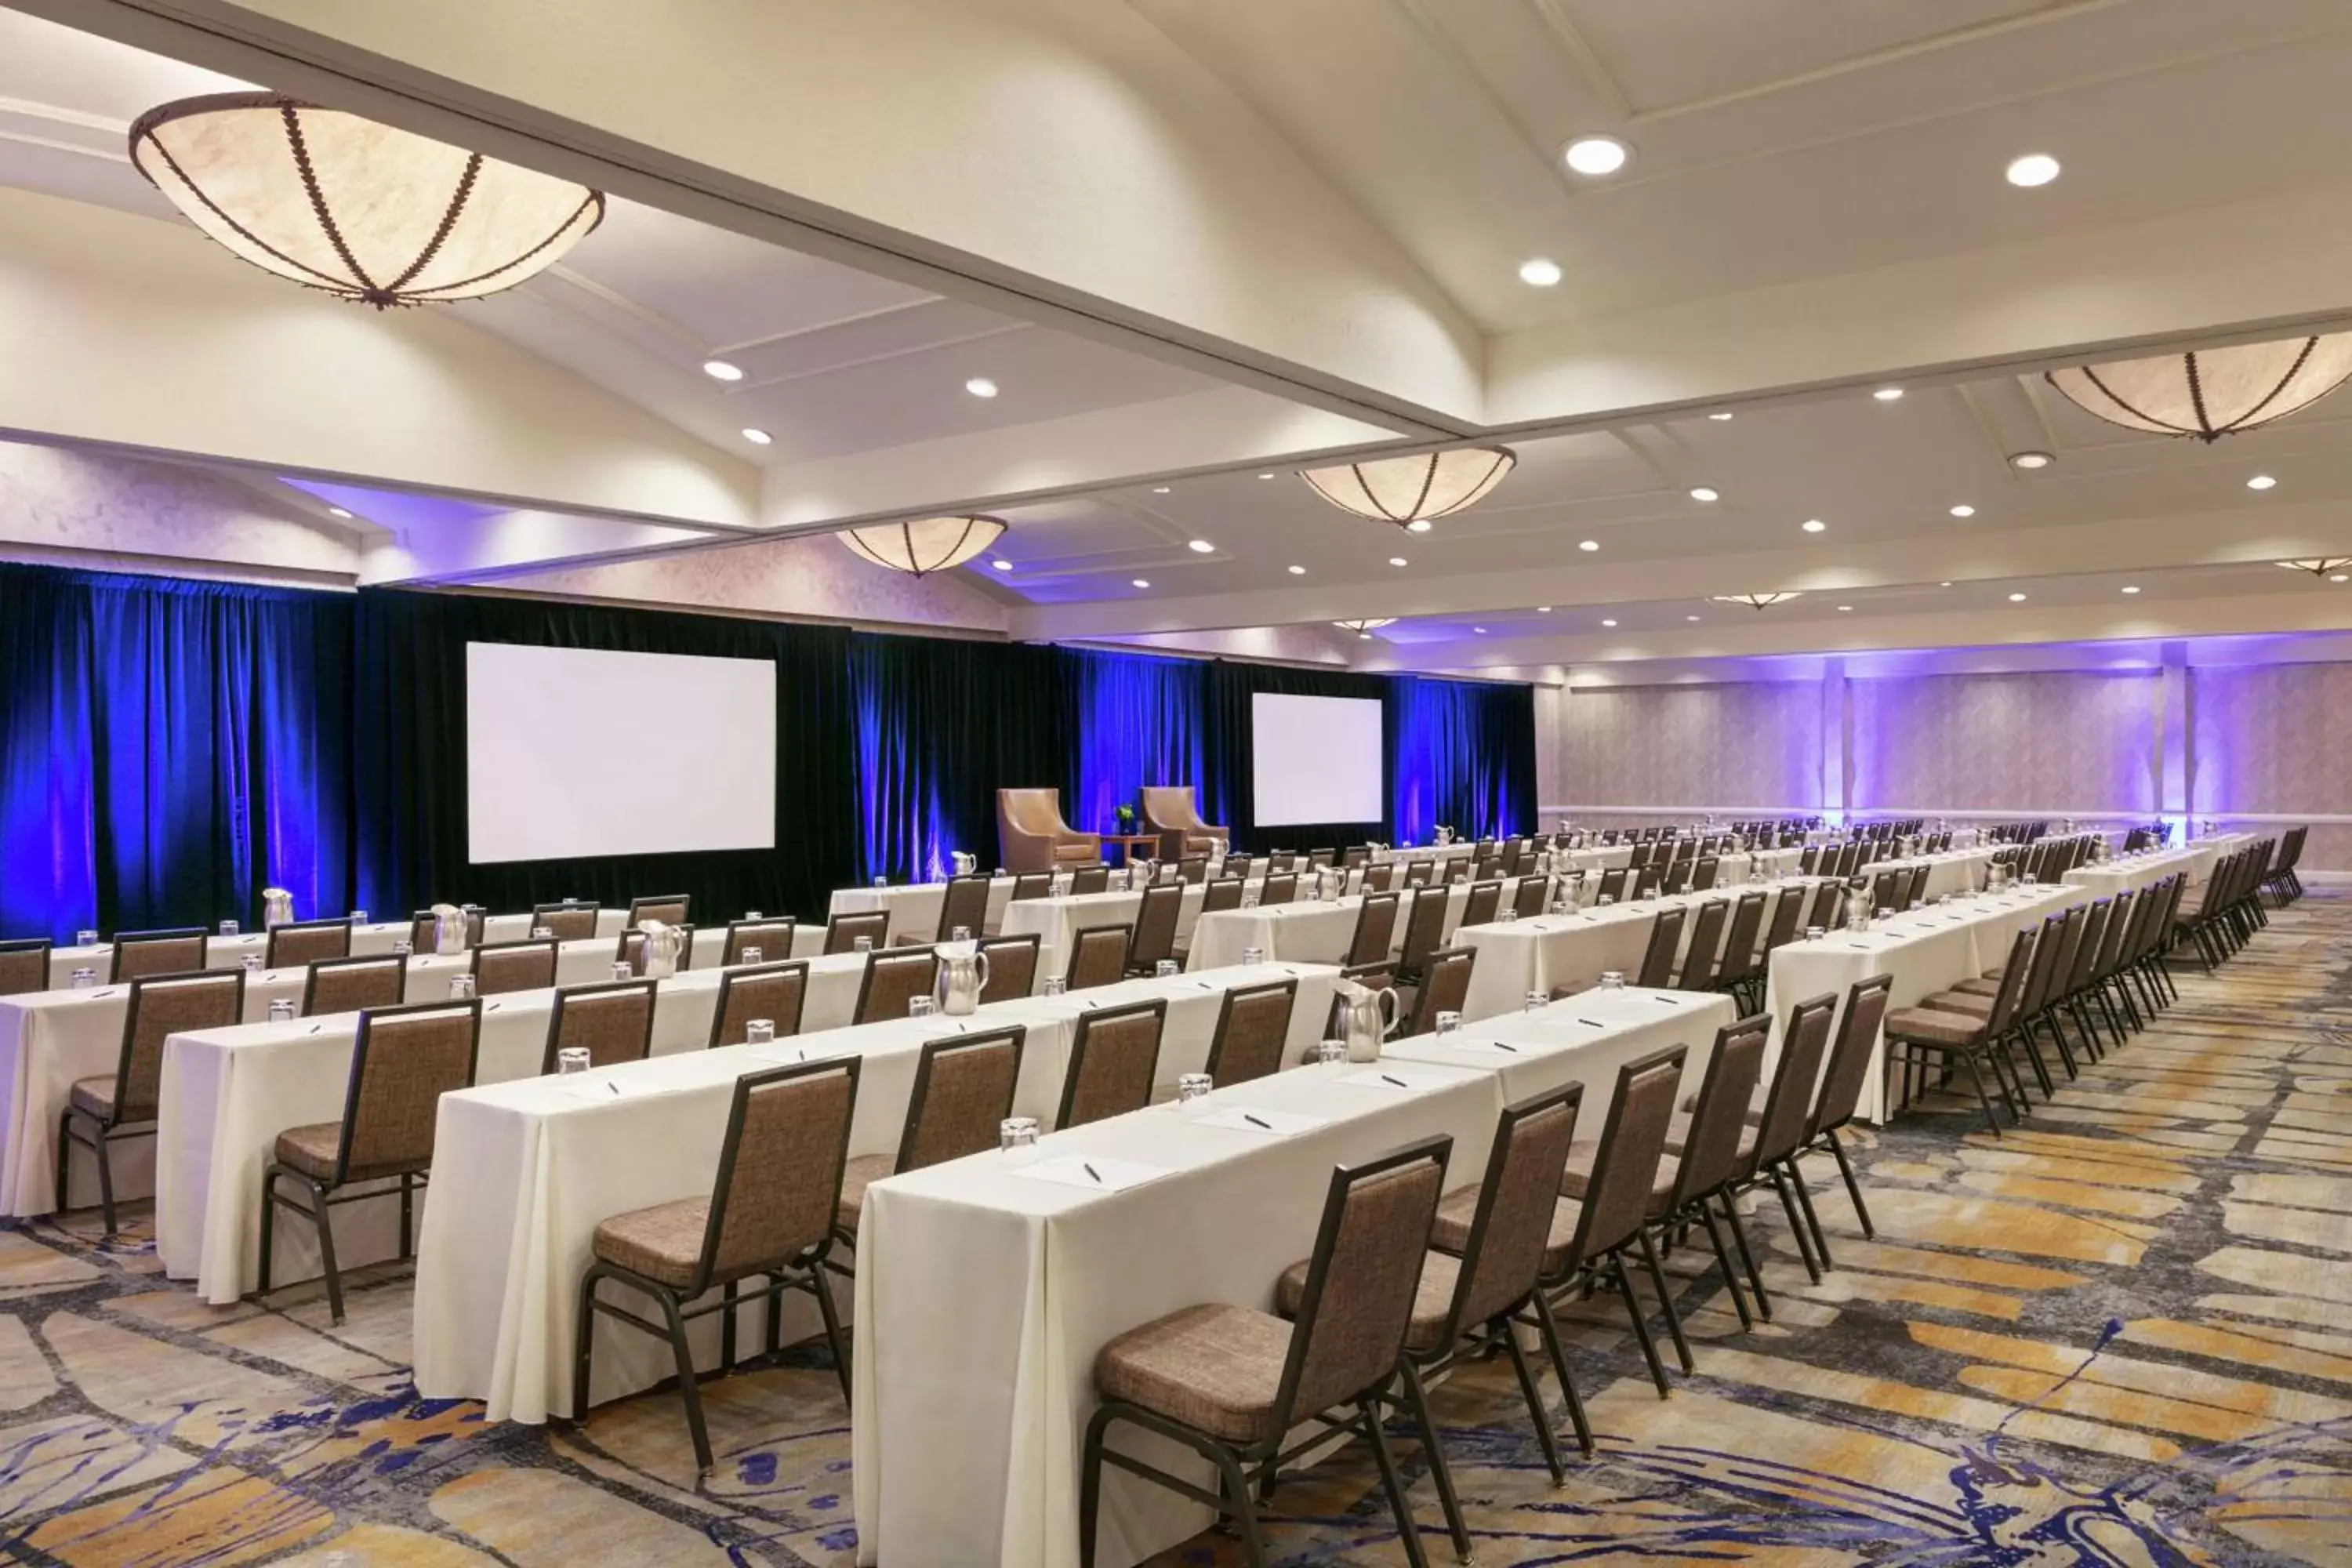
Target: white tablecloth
(540,1166)
(1313,932)
(1546,951)
(227,1093)
(984,1295)
(914,907)
(1926,950)
(2105,878)
(1057,922)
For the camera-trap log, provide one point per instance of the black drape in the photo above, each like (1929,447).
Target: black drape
(1227,798)
(409,757)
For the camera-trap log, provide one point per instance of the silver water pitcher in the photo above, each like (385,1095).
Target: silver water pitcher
(449,929)
(664,945)
(277,908)
(1366,1016)
(963,976)
(966,862)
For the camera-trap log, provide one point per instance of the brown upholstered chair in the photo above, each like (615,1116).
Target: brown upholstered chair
(1089,879)
(1097,957)
(1703,957)
(566,922)
(354,985)
(1192,870)
(614,1020)
(777,992)
(769,1213)
(144,952)
(404,1060)
(1252,1027)
(509,967)
(1379,879)
(1228,1382)
(1155,928)
(1776,1132)
(1922,1038)
(293,946)
(1527,897)
(1113,1058)
(24,966)
(1173,811)
(123,1103)
(771,935)
(893,979)
(1011,966)
(1027,884)
(1032,836)
(963,907)
(1658,959)
(842,932)
(1375,929)
(1278,888)
(962,1093)
(1444,987)
(1222,893)
(669,909)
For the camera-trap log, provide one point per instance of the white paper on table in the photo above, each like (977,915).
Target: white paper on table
(1267,1123)
(607,1090)
(1490,1047)
(1397,1078)
(791,1055)
(1093,1172)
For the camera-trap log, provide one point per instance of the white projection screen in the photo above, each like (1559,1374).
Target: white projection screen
(1315,759)
(582,752)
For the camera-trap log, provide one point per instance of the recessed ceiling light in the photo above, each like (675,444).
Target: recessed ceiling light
(1363,636)
(1598,155)
(1143,582)
(2131,587)
(1539,273)
(1705,492)
(1265,475)
(1002,566)
(2339,577)
(2033,169)
(1419,525)
(1943,584)
(1887,394)
(1588,544)
(1396,560)
(1846,606)
(1690,618)
(1543,609)
(2030,459)
(981,387)
(720,370)
(1964,512)
(2261,482)
(1609,623)
(1480,630)
(757,437)
(2017,598)
(1722,417)
(1200,547)
(339,512)
(1815,525)
(1160,489)
(1298,570)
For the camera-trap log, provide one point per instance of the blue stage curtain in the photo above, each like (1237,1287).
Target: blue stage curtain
(1135,720)
(1464,756)
(173,748)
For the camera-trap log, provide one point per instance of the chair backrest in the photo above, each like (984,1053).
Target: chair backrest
(1855,1047)
(24,966)
(1511,1226)
(1222,893)
(1097,957)
(1028,885)
(1700,963)
(294,945)
(667,908)
(1647,882)
(893,979)
(1809,859)
(162,1005)
(1796,1082)
(629,948)
(841,932)
(425,931)
(1113,1058)
(1375,928)
(1528,901)
(1886,890)
(404,1060)
(1632,1140)
(963,1092)
(1379,879)
(1916,893)
(354,985)
(1703,872)
(144,952)
(613,1020)
(1192,870)
(1362,1278)
(1829,905)
(1739,954)
(1481,904)
(1011,966)
(1321,859)
(1424,928)
(505,966)
(1665,938)
(773,935)
(1710,1155)
(1420,873)
(1087,879)
(965,905)
(2014,977)
(779,1183)
(1613,883)
(565,921)
(1252,1027)
(1444,987)
(2062,932)
(1280,887)
(777,992)
(1155,925)
(1235,865)
(1639,855)
(2094,932)
(1357,858)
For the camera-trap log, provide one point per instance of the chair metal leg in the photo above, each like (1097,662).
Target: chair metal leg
(1666,1300)
(1853,1187)
(1407,1530)
(1089,1484)
(65,1154)
(268,1225)
(105,1182)
(1641,1324)
(1416,1398)
(583,1342)
(1984,1099)
(1723,1260)
(832,1316)
(320,1213)
(407,1217)
(1797,1231)
(1747,1256)
(687,1387)
(1812,1220)
(1549,1326)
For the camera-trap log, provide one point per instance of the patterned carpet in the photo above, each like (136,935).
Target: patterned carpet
(2121,1336)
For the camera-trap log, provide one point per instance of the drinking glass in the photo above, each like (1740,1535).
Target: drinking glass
(85,939)
(1449,1022)
(85,979)
(1016,1138)
(572,1059)
(359,917)
(622,971)
(402,947)
(1249,897)
(1534,1000)
(1165,969)
(228,928)
(1814,933)
(862,944)
(1193,1085)
(1332,1051)
(758,1031)
(1253,956)
(881,881)
(541,934)
(922,1007)
(1056,986)
(960,934)
(461,988)
(251,963)
(1612,980)
(751,914)
(753,955)
(281,1010)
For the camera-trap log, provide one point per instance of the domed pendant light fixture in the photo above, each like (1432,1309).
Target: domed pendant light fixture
(1754,601)
(2320,566)
(1410,491)
(932,544)
(360,210)
(2211,392)
(1365,628)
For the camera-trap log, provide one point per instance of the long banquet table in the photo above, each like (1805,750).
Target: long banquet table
(2128,873)
(985,1287)
(539,1162)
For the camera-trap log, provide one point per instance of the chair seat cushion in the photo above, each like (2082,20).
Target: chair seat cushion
(1451,1231)
(1989,985)
(859,1172)
(1678,1135)
(1969,1002)
(1215,1368)
(663,1242)
(1934,1026)
(94,1094)
(1440,1273)
(1574,1180)
(312,1150)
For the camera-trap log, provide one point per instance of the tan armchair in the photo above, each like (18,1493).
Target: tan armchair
(1032,836)
(1169,810)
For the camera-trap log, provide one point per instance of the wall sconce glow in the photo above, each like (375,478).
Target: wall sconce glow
(1396,561)
(757,437)
(2033,170)
(2131,587)
(722,370)
(1595,156)
(1609,623)
(1690,618)
(981,387)
(1539,273)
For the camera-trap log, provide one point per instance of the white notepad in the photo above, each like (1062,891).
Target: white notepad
(790,1055)
(1093,1172)
(606,1091)
(1396,1078)
(1265,1123)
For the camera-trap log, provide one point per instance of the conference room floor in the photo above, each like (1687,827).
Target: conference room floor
(2114,1337)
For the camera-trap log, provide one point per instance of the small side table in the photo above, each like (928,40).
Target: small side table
(1128,843)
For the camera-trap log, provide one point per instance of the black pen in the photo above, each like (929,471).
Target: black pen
(610,1085)
(316,1028)
(1590,1025)
(1398,1082)
(1501,1047)
(1255,1121)
(1092,1171)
